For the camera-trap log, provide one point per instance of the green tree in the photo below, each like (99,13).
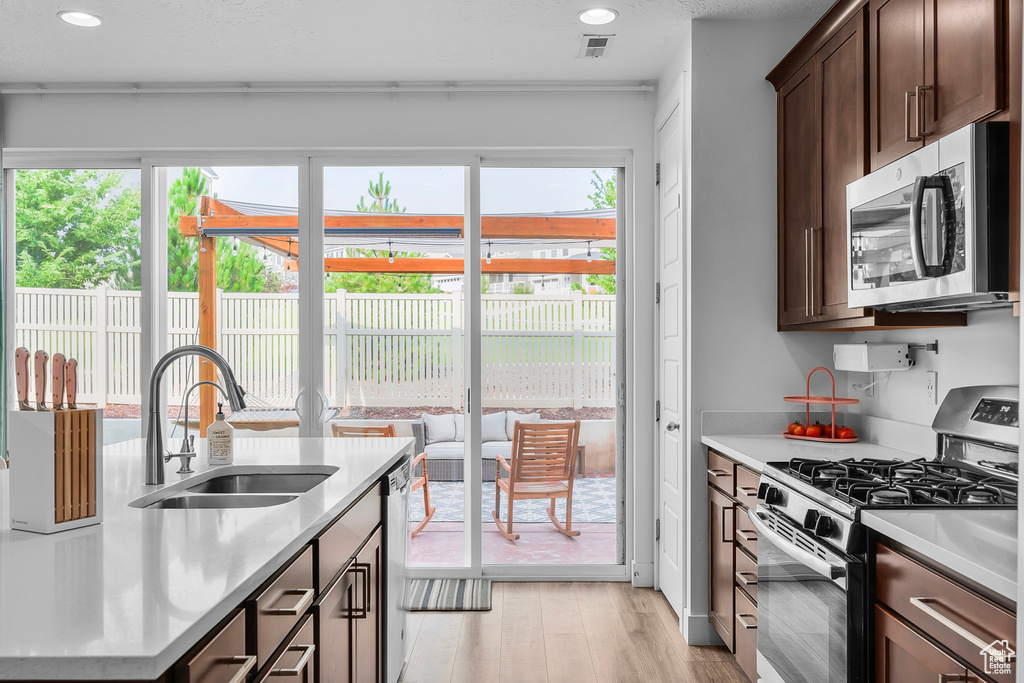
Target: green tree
(380,283)
(603,197)
(76,229)
(239,266)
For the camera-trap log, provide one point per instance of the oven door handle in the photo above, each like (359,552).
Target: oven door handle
(809,560)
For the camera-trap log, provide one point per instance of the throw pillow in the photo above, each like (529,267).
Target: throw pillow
(460,427)
(439,427)
(513,417)
(492,427)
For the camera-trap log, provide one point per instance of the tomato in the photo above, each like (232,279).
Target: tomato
(814,430)
(799,430)
(826,431)
(793,426)
(846,433)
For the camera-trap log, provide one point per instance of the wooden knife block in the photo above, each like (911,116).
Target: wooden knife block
(56,478)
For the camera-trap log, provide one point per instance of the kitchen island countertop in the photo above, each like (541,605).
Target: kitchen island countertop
(127,598)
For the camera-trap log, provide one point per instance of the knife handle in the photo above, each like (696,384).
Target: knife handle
(41,359)
(58,381)
(21,356)
(71,381)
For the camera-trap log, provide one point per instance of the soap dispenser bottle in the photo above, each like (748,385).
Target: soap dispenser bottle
(220,440)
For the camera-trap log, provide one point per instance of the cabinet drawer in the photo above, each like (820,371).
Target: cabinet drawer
(746,572)
(957,618)
(275,610)
(295,659)
(222,660)
(746,486)
(746,634)
(745,533)
(335,546)
(721,472)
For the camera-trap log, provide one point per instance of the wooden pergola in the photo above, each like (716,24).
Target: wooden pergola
(278,234)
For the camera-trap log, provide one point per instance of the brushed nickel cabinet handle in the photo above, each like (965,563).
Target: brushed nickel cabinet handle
(807,272)
(743,621)
(747,490)
(747,535)
(300,665)
(906,119)
(305,601)
(719,473)
(742,578)
(922,604)
(947,678)
(919,92)
(726,526)
(247,665)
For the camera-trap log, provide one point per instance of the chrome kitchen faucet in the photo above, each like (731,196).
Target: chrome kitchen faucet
(155,453)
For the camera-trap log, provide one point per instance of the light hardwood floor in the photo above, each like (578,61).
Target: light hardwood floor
(563,633)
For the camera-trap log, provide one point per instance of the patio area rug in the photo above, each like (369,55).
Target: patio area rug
(449,595)
(593,500)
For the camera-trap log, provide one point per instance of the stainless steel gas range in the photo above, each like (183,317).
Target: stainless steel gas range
(814,583)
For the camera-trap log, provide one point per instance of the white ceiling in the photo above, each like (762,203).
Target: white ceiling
(341,41)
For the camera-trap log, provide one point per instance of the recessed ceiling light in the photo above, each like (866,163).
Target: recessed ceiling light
(598,16)
(78,18)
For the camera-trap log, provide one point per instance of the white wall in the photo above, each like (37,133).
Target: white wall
(984,352)
(487,123)
(737,359)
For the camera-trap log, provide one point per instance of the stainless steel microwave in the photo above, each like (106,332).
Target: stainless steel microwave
(930,232)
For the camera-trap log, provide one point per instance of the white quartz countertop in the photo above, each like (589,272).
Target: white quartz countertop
(125,599)
(755,451)
(979,544)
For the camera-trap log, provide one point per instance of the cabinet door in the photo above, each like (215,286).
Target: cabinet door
(367,616)
(904,656)
(897,70)
(334,630)
(720,570)
(798,195)
(746,634)
(963,63)
(842,87)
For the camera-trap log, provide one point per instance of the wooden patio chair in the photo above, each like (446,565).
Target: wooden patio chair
(421,482)
(542,465)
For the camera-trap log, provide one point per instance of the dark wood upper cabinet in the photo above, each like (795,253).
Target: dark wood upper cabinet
(897,73)
(798,202)
(936,66)
(842,86)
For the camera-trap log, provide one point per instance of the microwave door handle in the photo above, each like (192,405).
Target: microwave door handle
(916,239)
(949,218)
(813,562)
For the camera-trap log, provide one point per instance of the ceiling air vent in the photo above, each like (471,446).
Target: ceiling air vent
(594,45)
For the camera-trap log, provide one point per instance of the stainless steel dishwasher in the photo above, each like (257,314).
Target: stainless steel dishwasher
(396,534)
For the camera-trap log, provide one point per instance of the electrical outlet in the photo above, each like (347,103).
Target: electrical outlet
(931,384)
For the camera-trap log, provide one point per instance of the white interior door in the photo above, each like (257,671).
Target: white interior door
(672,367)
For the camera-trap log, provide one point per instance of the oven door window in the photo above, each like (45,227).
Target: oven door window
(801,618)
(895,241)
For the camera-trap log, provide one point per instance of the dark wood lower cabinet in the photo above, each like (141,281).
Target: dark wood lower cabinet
(367,624)
(295,661)
(720,552)
(746,634)
(334,629)
(902,655)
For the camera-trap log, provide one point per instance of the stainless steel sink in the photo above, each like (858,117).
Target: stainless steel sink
(259,483)
(221,501)
(238,486)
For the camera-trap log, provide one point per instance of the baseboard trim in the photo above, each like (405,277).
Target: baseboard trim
(697,629)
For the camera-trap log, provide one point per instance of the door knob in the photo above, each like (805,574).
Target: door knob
(672,426)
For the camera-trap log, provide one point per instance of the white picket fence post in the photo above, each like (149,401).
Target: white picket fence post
(100,348)
(577,349)
(341,369)
(457,351)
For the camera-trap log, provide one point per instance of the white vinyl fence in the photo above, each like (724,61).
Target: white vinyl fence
(380,349)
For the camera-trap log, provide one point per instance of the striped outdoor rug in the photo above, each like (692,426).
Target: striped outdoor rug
(449,595)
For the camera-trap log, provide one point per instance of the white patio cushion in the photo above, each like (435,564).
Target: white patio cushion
(513,417)
(460,427)
(447,450)
(492,427)
(493,448)
(439,428)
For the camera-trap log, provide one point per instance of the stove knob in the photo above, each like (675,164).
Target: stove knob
(772,496)
(811,520)
(824,526)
